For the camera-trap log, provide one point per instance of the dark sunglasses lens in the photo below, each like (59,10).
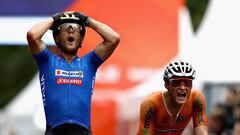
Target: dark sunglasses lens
(177,82)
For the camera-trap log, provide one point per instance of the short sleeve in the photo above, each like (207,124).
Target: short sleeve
(147,114)
(199,109)
(94,59)
(42,56)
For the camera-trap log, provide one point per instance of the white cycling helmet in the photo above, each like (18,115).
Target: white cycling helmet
(179,68)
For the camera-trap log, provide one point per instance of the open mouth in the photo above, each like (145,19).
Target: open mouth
(70,39)
(182,94)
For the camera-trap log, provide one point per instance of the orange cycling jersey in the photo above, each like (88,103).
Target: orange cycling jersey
(156,119)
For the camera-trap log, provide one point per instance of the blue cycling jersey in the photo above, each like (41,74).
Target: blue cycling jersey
(67,87)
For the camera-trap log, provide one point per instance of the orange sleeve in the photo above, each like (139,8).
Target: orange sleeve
(199,110)
(147,113)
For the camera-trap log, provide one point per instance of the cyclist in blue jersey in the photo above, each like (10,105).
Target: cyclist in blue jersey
(66,79)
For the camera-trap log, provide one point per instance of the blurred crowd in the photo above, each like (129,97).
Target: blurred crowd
(224,118)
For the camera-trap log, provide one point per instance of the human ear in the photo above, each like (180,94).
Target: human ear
(166,84)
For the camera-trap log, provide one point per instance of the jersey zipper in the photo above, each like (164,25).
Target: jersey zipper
(69,88)
(170,114)
(172,123)
(69,91)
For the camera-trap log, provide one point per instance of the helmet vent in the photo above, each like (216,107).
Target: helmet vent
(179,68)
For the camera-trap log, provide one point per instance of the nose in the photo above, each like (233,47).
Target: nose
(70,29)
(182,85)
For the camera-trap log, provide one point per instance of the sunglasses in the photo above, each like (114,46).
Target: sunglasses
(65,27)
(176,82)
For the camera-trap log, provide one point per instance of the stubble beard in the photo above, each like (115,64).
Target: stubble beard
(68,50)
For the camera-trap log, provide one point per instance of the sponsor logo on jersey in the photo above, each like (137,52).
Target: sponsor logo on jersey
(43,89)
(148,117)
(69,81)
(145,131)
(59,72)
(199,108)
(180,119)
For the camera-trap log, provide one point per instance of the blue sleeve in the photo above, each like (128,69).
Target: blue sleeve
(94,59)
(42,57)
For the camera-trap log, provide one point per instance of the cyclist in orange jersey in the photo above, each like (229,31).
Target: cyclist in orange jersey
(169,112)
